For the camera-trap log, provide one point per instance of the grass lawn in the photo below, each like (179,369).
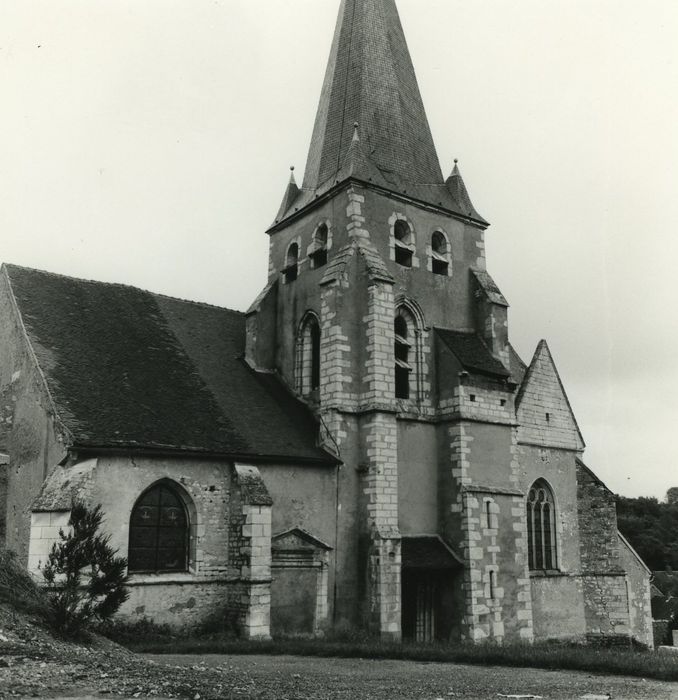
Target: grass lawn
(554,655)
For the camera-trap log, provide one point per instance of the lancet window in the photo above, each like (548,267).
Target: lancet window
(308,355)
(541,527)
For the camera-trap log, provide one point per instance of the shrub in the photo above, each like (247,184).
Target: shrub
(85,579)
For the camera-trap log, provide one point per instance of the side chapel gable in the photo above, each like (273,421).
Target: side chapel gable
(543,409)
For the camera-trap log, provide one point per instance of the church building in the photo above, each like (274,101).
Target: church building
(361,449)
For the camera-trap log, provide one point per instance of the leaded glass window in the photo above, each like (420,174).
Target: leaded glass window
(541,532)
(158,532)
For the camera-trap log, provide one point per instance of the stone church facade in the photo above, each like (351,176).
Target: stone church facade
(363,448)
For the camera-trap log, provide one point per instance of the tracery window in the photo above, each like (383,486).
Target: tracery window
(291,269)
(541,531)
(158,532)
(318,252)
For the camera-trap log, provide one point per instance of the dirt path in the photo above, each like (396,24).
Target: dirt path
(301,678)
(98,674)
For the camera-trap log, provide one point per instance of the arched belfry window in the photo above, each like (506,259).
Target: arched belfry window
(541,527)
(291,269)
(319,246)
(404,243)
(158,531)
(440,254)
(308,355)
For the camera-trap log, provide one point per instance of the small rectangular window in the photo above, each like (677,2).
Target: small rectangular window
(472,397)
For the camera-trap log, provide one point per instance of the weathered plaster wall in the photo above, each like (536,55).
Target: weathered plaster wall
(306,498)
(27,426)
(557,607)
(417,478)
(638,588)
(557,468)
(180,599)
(446,301)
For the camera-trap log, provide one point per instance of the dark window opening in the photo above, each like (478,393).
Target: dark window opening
(402,359)
(319,258)
(472,397)
(403,256)
(439,260)
(315,356)
(488,513)
(493,584)
(541,536)
(291,269)
(402,232)
(548,417)
(439,267)
(403,243)
(319,253)
(158,532)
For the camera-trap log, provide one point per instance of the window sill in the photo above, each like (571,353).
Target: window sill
(548,573)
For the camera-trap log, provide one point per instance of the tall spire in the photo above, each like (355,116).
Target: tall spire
(370,79)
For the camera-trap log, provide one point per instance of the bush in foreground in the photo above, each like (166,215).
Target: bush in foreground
(85,579)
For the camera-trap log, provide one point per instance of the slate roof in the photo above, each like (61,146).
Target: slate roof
(132,369)
(472,353)
(427,552)
(370,81)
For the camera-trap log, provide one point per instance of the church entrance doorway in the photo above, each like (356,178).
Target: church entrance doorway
(429,581)
(421,603)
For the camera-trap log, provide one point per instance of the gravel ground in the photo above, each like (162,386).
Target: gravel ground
(300,678)
(35,664)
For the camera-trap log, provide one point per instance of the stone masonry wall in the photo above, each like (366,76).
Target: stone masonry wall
(603,578)
(4,466)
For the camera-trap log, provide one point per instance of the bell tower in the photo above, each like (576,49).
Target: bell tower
(368,257)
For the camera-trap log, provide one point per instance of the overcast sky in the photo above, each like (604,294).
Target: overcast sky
(149,141)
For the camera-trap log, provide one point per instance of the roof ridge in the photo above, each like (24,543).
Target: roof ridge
(120,285)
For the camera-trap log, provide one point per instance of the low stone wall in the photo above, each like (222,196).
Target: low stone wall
(182,600)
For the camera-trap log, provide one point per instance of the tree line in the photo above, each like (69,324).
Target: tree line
(651,526)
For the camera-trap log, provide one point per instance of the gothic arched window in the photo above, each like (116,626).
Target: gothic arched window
(541,527)
(291,269)
(158,532)
(308,355)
